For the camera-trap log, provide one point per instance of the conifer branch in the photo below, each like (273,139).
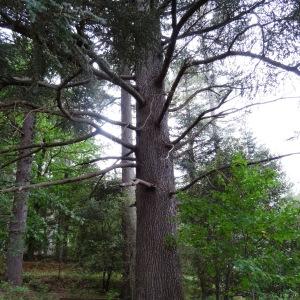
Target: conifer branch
(67,180)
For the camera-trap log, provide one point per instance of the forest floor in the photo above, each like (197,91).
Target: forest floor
(45,280)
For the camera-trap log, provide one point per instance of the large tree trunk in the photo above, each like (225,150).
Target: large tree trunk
(17,225)
(129,210)
(157,262)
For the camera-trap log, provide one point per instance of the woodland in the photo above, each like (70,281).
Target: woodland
(122,172)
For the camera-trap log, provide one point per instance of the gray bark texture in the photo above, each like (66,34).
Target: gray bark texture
(129,210)
(17,225)
(157,261)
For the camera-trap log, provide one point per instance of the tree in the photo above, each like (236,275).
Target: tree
(17,225)
(129,210)
(238,235)
(151,35)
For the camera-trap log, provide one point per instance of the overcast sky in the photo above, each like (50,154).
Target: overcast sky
(274,125)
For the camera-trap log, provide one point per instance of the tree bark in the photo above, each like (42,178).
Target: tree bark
(157,261)
(17,225)
(129,210)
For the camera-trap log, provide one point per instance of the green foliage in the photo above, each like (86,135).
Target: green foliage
(99,239)
(170,242)
(237,229)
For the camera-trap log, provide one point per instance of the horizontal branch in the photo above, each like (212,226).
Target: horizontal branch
(19,158)
(40,109)
(137,181)
(51,145)
(67,180)
(107,158)
(293,69)
(250,163)
(26,81)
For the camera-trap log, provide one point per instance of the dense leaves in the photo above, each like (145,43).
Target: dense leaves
(243,241)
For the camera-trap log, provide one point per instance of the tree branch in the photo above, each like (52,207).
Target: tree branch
(125,157)
(91,123)
(19,158)
(221,24)
(185,102)
(137,181)
(67,180)
(171,93)
(173,38)
(39,109)
(200,117)
(250,163)
(293,69)
(51,145)
(114,78)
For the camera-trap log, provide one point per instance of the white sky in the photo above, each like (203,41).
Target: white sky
(274,124)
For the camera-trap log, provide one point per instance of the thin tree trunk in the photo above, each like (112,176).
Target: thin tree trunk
(17,225)
(217,284)
(157,261)
(129,210)
(227,283)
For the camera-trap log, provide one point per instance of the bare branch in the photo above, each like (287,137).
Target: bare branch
(66,180)
(114,78)
(192,96)
(176,30)
(293,69)
(225,22)
(172,91)
(200,117)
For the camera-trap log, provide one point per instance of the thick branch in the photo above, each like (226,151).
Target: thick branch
(137,181)
(91,123)
(39,109)
(67,180)
(26,81)
(14,25)
(115,78)
(173,38)
(171,93)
